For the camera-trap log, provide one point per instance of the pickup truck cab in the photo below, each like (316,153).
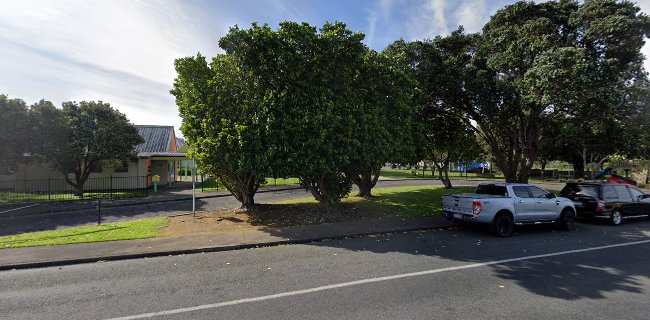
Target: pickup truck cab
(504,205)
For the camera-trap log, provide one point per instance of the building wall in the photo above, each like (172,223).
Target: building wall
(42,171)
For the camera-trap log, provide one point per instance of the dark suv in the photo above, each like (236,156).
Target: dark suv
(607,200)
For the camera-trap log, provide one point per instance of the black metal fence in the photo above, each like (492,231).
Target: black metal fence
(58,189)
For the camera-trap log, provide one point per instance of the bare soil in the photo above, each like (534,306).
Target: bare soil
(264,216)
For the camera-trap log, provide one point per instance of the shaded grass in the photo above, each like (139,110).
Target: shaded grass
(212,185)
(412,201)
(136,229)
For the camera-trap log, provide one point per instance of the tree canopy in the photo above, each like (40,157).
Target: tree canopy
(80,137)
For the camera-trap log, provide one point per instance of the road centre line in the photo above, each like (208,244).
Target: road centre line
(369,280)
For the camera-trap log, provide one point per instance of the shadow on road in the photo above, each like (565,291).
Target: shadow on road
(567,277)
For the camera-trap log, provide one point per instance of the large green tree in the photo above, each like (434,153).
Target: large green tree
(225,122)
(529,56)
(387,125)
(440,68)
(14,135)
(84,135)
(313,81)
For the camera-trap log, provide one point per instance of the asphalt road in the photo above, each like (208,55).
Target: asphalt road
(595,272)
(17,222)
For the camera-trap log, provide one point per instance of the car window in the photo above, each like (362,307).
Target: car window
(583,190)
(636,193)
(623,194)
(521,192)
(537,192)
(492,190)
(609,193)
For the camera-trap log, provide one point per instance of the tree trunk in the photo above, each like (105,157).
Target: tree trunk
(443,175)
(447,181)
(365,182)
(243,187)
(328,188)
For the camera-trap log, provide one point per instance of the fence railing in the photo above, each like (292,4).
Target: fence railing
(16,191)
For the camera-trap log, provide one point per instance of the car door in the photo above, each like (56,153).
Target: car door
(545,207)
(640,205)
(625,203)
(524,204)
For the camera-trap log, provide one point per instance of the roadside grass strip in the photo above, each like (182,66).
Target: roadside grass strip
(136,229)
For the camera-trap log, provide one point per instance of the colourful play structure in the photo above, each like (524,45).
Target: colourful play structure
(613,177)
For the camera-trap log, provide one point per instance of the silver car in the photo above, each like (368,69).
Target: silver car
(504,205)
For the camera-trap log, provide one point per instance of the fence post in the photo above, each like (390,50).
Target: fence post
(49,188)
(110,191)
(146,185)
(99,211)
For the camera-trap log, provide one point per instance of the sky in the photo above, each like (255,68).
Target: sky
(122,52)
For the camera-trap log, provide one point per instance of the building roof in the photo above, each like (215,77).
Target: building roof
(180,143)
(156,138)
(164,155)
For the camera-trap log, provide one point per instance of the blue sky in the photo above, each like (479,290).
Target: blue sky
(122,51)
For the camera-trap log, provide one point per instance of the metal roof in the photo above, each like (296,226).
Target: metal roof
(180,155)
(180,143)
(156,138)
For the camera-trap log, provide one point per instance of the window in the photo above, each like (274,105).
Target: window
(521,192)
(623,194)
(492,190)
(609,193)
(123,167)
(97,168)
(537,192)
(577,189)
(636,193)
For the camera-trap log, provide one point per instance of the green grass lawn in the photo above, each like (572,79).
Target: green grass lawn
(136,229)
(403,201)
(408,174)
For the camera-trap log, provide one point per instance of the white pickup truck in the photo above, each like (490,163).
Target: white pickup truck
(504,205)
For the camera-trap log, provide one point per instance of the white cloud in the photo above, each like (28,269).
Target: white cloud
(472,15)
(429,20)
(119,51)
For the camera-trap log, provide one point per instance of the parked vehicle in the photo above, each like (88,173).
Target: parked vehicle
(504,205)
(612,201)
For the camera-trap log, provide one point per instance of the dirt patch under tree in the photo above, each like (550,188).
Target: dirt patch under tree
(265,216)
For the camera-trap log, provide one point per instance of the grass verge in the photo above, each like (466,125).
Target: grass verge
(414,201)
(136,229)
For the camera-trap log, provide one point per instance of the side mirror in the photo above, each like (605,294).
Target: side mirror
(645,196)
(551,195)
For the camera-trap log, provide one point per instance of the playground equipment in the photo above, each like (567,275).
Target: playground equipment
(613,177)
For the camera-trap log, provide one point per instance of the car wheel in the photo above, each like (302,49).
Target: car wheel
(568,220)
(616,218)
(503,225)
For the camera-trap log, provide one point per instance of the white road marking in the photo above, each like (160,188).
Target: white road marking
(365,281)
(20,208)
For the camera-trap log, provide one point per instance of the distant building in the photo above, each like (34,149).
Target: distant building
(160,154)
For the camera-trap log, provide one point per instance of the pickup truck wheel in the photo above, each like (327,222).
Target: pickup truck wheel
(616,218)
(503,225)
(568,220)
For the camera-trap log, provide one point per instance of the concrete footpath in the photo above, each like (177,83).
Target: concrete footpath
(44,256)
